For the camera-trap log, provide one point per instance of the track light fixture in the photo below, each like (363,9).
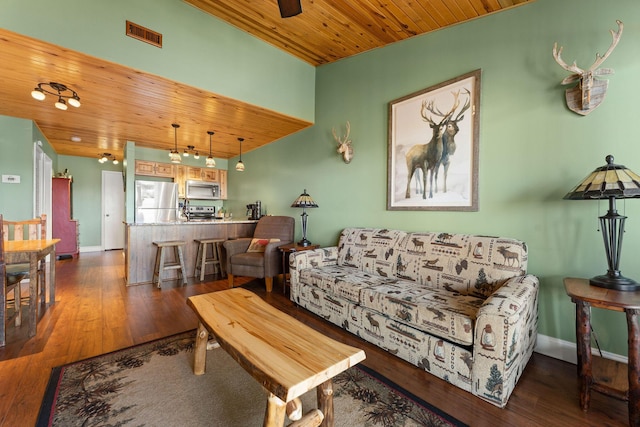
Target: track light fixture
(190,148)
(240,165)
(105,157)
(210,162)
(65,94)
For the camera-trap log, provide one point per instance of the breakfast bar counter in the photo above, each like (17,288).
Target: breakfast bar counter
(140,252)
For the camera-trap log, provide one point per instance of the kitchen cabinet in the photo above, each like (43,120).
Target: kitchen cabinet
(194,173)
(180,178)
(145,167)
(222,179)
(210,175)
(63,227)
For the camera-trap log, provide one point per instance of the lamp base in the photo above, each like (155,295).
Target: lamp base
(304,242)
(618,283)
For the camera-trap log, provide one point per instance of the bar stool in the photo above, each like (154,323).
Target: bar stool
(216,259)
(176,264)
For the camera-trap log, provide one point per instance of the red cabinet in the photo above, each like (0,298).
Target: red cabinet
(63,227)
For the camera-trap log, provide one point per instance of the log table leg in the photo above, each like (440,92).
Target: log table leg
(324,393)
(583,339)
(634,366)
(200,352)
(276,410)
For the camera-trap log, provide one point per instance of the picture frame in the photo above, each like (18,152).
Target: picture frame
(433,137)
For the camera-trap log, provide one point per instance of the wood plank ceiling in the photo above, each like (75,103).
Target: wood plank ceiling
(121,104)
(329,30)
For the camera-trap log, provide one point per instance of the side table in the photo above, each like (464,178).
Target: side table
(586,296)
(286,250)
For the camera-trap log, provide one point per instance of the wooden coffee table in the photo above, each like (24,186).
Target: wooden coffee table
(285,356)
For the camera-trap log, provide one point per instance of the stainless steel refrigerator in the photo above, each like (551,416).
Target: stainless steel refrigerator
(156,201)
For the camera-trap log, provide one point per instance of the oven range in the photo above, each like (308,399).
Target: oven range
(200,213)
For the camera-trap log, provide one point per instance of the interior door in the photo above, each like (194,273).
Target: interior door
(43,171)
(113,228)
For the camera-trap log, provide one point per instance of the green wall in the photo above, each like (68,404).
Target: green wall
(198,49)
(17,138)
(533,150)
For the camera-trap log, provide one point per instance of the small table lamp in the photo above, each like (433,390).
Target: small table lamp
(304,201)
(610,182)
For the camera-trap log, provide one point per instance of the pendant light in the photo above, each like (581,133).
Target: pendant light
(210,162)
(240,165)
(174,155)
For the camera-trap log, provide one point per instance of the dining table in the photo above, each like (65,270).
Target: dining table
(32,251)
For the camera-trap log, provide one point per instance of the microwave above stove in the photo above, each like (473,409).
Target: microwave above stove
(202,190)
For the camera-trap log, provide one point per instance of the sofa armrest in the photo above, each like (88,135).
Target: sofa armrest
(505,335)
(233,247)
(315,258)
(273,258)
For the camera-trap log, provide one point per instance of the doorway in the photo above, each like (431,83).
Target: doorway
(113,228)
(42,171)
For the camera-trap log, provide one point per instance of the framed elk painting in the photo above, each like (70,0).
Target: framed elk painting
(433,147)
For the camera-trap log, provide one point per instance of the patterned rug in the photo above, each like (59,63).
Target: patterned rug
(153,385)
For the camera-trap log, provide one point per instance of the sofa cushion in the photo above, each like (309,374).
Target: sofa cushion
(344,282)
(460,263)
(369,249)
(434,311)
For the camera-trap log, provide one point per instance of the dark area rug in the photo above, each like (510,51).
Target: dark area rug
(153,384)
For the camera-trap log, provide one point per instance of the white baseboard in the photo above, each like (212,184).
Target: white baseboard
(566,350)
(90,249)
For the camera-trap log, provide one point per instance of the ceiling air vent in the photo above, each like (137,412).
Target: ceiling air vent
(146,35)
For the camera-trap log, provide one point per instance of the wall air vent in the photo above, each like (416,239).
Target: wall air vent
(141,33)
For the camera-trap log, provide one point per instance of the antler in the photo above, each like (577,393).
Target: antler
(435,110)
(465,107)
(573,68)
(615,35)
(346,135)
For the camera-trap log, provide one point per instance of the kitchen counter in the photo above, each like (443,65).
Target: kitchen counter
(140,252)
(195,222)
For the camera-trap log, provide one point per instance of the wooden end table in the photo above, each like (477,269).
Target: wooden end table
(286,250)
(586,296)
(287,357)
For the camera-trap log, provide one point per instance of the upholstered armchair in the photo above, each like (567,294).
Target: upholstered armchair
(259,256)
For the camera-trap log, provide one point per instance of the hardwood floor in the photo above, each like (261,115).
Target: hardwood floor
(96,313)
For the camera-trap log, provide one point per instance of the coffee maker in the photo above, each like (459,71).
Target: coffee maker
(254,210)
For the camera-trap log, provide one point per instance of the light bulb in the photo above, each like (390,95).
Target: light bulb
(240,166)
(74,102)
(210,162)
(115,161)
(61,105)
(38,94)
(196,155)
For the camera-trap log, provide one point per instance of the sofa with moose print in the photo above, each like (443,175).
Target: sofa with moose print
(459,306)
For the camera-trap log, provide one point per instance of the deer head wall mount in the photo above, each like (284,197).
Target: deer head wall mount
(344,144)
(589,93)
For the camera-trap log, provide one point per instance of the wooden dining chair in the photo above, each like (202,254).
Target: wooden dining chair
(31,229)
(9,283)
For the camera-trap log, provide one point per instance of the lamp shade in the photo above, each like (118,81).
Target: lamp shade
(304,201)
(610,180)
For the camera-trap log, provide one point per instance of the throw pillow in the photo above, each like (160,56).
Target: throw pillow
(259,245)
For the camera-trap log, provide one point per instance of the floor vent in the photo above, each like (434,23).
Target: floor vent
(146,35)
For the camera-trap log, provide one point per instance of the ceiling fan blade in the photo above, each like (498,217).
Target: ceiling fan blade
(289,8)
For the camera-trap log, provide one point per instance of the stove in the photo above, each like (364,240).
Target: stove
(202,213)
